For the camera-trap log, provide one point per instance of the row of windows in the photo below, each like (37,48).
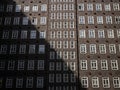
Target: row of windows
(62,34)
(23,21)
(62,87)
(62,15)
(23,8)
(99,19)
(62,25)
(22,49)
(21,82)
(100,33)
(98,7)
(62,7)
(96,64)
(58,78)
(23,34)
(66,55)
(99,48)
(53,1)
(64,66)
(22,65)
(96,82)
(62,44)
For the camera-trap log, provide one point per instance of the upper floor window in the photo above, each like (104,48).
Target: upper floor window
(90,20)
(29,82)
(81,19)
(109,19)
(25,21)
(102,48)
(1,7)
(2,65)
(5,34)
(95,82)
(94,65)
(24,34)
(9,8)
(41,49)
(81,7)
(16,21)
(40,82)
(107,7)
(42,34)
(116,6)
(13,49)
(116,82)
(90,7)
(83,64)
(110,33)
(18,8)
(7,21)
(118,33)
(40,65)
(32,34)
(83,49)
(3,49)
(98,7)
(100,19)
(106,82)
(26,8)
(112,48)
(19,82)
(114,64)
(104,65)
(44,7)
(84,82)
(91,33)
(43,20)
(35,8)
(30,65)
(117,19)
(101,33)
(31,49)
(9,83)
(92,48)
(14,34)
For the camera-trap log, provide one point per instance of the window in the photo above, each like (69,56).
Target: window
(43,20)
(72,34)
(65,44)
(21,64)
(11,65)
(92,48)
(5,34)
(108,19)
(31,49)
(41,49)
(65,55)
(19,82)
(71,6)
(71,16)
(1,7)
(51,78)
(58,78)
(1,19)
(105,82)
(24,34)
(82,34)
(35,8)
(101,34)
(100,19)
(40,65)
(2,65)
(32,34)
(29,82)
(107,7)
(14,34)
(118,33)
(52,55)
(44,7)
(58,66)
(22,49)
(81,19)
(30,65)
(65,6)
(90,7)
(114,64)
(7,21)
(94,65)
(98,7)
(72,44)
(73,78)
(83,49)
(9,8)
(90,20)
(26,8)
(34,21)
(65,78)
(9,82)
(110,33)
(1,82)
(18,8)
(117,19)
(3,49)
(40,82)
(58,55)
(25,21)
(112,48)
(104,65)
(95,82)
(83,64)
(116,6)
(42,34)
(16,21)
(51,66)
(65,66)
(65,15)
(116,82)
(65,34)
(81,7)
(59,44)
(91,33)
(84,82)
(72,66)
(102,48)
(13,49)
